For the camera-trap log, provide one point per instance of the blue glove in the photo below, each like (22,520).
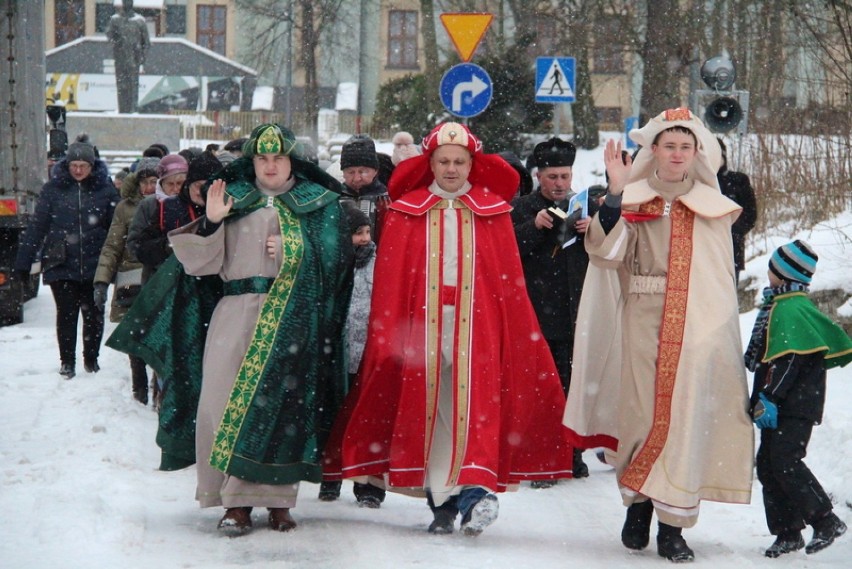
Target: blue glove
(765,413)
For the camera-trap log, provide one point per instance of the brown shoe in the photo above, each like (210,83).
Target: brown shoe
(281,520)
(236,521)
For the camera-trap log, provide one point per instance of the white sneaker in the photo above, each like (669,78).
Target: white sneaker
(482,515)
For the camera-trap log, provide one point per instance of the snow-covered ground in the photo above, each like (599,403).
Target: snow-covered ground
(80,488)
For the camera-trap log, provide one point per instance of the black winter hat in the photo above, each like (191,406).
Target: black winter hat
(147,167)
(359,150)
(80,152)
(202,168)
(553,153)
(354,215)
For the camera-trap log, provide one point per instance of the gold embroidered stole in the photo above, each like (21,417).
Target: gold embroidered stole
(462,331)
(254,362)
(670,344)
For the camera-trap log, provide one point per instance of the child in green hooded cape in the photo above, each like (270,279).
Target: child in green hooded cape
(792,345)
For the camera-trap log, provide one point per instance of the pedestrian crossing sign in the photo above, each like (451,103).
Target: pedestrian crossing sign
(555,79)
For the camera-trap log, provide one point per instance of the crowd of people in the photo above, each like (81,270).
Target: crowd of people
(448,323)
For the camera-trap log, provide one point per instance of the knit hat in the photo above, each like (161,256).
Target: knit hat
(554,153)
(403,147)
(235,145)
(359,150)
(147,167)
(202,168)
(161,147)
(794,261)
(81,152)
(171,165)
(354,215)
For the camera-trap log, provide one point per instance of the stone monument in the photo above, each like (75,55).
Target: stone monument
(128,34)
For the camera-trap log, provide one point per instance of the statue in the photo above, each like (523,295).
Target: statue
(128,34)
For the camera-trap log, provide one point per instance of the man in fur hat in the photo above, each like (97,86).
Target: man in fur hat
(554,270)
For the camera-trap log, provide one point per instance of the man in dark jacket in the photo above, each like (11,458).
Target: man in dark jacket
(737,187)
(360,166)
(71,223)
(554,265)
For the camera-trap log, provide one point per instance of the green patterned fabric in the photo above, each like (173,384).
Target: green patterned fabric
(797,326)
(292,381)
(293,378)
(167,327)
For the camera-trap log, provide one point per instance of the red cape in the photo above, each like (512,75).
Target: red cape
(508,398)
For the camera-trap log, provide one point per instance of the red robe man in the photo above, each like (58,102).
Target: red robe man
(457,394)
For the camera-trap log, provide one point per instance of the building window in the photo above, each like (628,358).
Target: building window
(70,20)
(176,20)
(402,39)
(609,116)
(211,27)
(608,55)
(103,12)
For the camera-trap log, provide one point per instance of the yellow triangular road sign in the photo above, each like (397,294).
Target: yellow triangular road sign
(466,30)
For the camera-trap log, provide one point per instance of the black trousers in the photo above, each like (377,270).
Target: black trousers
(562,352)
(792,496)
(72,298)
(139,375)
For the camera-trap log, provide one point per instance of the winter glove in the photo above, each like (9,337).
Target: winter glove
(765,413)
(100,295)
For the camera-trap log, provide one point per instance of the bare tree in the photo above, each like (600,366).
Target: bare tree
(430,48)
(664,53)
(289,23)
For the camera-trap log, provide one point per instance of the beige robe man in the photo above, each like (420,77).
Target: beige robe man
(677,418)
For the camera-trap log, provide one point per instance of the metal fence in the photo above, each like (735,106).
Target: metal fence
(228,125)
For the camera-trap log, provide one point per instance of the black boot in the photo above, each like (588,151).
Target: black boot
(444,515)
(368,496)
(826,530)
(786,542)
(329,491)
(67,370)
(672,546)
(636,532)
(139,379)
(579,468)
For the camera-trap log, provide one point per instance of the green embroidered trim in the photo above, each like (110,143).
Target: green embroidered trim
(259,350)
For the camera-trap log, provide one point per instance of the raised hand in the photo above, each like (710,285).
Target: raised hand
(617,170)
(218,204)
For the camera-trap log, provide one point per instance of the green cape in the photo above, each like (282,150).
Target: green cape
(797,326)
(167,327)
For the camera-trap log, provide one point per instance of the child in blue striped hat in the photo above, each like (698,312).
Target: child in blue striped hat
(791,347)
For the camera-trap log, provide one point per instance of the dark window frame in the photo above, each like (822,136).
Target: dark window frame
(207,36)
(66,29)
(403,44)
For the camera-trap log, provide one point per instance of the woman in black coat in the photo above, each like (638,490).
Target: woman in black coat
(70,225)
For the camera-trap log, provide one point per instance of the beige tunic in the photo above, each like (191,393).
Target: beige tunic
(686,438)
(237,250)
